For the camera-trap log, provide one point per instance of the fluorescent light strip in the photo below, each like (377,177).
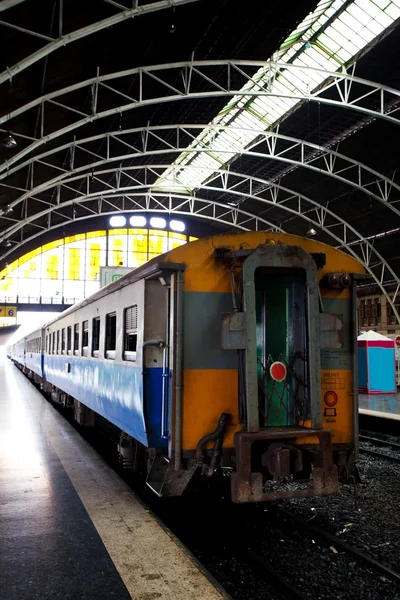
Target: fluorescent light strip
(336,46)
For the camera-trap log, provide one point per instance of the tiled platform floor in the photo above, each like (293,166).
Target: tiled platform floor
(385,405)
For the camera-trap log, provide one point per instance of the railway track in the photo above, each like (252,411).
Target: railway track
(335,541)
(267,572)
(378,442)
(276,585)
(371,439)
(272,582)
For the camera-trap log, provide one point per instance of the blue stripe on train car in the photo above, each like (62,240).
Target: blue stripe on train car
(114,391)
(34,362)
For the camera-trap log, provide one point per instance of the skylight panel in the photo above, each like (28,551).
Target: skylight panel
(343,28)
(331,46)
(381,3)
(372,30)
(344,55)
(247,119)
(393,11)
(383,19)
(359,14)
(370,7)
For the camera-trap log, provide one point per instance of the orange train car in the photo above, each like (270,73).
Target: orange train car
(269,364)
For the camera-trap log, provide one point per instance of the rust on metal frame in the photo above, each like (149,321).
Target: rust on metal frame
(247,486)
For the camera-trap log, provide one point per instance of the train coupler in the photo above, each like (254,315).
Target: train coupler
(278,461)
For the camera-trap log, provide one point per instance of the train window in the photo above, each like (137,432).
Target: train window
(85,338)
(69,339)
(95,336)
(63,341)
(58,342)
(111,334)
(130,333)
(54,343)
(76,338)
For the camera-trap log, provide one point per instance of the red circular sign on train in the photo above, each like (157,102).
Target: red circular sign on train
(277,371)
(330,399)
(398,341)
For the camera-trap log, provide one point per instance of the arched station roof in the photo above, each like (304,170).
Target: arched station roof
(281,115)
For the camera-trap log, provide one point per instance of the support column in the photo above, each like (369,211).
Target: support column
(384,315)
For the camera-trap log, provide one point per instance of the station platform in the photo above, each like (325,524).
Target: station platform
(386,406)
(69,526)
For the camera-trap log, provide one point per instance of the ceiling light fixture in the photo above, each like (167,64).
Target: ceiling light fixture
(177,225)
(158,223)
(311,231)
(137,221)
(117,221)
(7,141)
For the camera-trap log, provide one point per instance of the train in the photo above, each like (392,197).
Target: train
(234,354)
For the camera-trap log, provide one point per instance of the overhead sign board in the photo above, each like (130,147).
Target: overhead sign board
(8,311)
(109,274)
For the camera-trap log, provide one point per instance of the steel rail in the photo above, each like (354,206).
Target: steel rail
(378,442)
(267,571)
(337,542)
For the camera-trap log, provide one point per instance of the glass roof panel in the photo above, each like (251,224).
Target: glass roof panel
(382,3)
(332,45)
(393,10)
(358,13)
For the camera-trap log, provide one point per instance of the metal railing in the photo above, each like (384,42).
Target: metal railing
(15,300)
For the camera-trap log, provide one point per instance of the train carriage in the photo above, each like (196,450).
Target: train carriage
(17,352)
(34,355)
(234,351)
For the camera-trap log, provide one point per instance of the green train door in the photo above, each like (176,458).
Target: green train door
(282,348)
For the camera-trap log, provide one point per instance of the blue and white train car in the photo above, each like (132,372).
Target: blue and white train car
(17,353)
(34,355)
(108,354)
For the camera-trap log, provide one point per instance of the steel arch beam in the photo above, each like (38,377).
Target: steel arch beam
(222,182)
(367,251)
(192,210)
(278,147)
(6,4)
(341,83)
(187,213)
(104,202)
(73,36)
